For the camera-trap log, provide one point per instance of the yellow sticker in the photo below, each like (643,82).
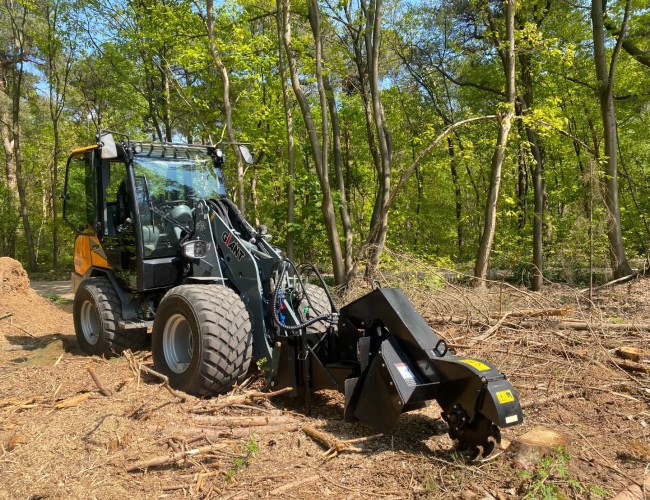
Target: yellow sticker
(505,397)
(476,364)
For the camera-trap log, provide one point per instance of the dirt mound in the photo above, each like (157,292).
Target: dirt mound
(13,277)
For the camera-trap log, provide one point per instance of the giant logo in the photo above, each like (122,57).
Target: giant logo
(232,244)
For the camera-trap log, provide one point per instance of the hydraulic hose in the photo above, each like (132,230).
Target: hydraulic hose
(285,264)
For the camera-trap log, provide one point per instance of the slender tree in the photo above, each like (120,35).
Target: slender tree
(605,73)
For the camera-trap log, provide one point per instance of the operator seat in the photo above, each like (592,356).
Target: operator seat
(183,214)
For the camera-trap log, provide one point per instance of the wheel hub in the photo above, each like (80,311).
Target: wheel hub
(90,322)
(177,343)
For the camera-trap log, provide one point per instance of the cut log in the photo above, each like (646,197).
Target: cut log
(526,450)
(632,366)
(74,401)
(632,353)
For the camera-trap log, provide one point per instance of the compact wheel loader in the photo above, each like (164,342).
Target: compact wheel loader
(161,248)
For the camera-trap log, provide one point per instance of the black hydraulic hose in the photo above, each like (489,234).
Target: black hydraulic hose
(312,267)
(276,294)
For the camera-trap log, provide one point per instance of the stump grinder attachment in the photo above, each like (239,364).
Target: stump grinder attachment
(387,361)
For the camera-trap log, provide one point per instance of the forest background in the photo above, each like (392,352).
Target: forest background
(471,134)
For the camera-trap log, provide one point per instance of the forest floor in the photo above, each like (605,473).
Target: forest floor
(61,438)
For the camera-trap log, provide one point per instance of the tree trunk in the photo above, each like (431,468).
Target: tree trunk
(327,206)
(373,11)
(457,195)
(288,117)
(505,123)
(227,107)
(348,234)
(605,76)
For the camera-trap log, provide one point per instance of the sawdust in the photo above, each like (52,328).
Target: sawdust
(13,278)
(83,449)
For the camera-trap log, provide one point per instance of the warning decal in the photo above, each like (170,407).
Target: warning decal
(505,397)
(482,367)
(406,374)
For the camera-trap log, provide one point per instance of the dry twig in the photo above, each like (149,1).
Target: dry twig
(102,390)
(174,457)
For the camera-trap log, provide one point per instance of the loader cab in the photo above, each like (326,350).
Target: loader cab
(132,204)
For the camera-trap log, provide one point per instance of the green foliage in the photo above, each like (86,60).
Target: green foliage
(551,479)
(240,462)
(145,68)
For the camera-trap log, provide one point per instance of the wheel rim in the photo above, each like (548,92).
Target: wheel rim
(90,322)
(177,343)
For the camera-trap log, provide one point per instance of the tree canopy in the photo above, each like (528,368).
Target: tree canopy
(472,133)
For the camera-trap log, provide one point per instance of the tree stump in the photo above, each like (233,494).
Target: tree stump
(526,450)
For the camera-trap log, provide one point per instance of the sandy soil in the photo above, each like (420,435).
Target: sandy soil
(61,438)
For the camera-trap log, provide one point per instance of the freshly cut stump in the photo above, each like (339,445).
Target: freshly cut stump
(526,450)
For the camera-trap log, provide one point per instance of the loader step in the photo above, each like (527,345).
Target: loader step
(134,325)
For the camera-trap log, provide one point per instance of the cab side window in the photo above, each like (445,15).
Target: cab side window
(79,194)
(118,207)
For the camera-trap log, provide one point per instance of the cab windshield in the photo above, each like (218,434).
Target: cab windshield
(174,173)
(170,181)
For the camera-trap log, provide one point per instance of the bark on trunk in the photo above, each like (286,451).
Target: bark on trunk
(348,234)
(327,206)
(288,117)
(227,107)
(605,76)
(505,123)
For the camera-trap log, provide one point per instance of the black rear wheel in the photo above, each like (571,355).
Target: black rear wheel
(318,304)
(202,338)
(97,311)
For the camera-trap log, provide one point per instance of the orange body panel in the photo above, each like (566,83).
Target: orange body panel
(88,252)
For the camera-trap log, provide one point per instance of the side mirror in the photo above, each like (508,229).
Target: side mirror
(246,154)
(109,149)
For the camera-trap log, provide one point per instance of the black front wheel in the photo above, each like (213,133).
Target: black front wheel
(202,338)
(97,311)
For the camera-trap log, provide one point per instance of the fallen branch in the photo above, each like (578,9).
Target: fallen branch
(173,458)
(520,321)
(632,366)
(6,315)
(488,333)
(227,421)
(102,390)
(294,484)
(210,433)
(165,379)
(23,330)
(24,347)
(74,401)
(550,399)
(335,446)
(617,281)
(528,313)
(240,399)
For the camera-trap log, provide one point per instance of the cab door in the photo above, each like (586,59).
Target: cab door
(80,212)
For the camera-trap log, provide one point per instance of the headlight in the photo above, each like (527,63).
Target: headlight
(195,249)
